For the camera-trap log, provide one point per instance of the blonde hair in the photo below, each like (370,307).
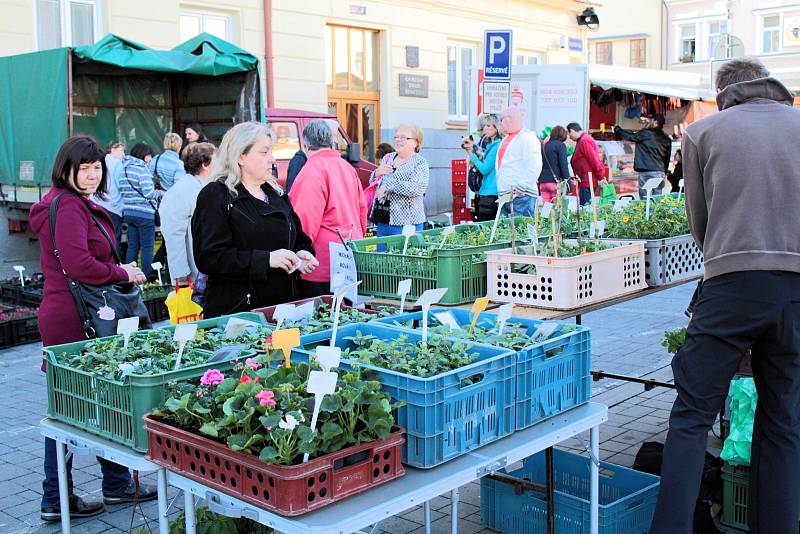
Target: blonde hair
(173,141)
(236,142)
(416,133)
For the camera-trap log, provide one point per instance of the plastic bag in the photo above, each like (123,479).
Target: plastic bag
(736,450)
(608,194)
(181,307)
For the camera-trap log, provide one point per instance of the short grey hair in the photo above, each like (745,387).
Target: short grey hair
(317,135)
(740,70)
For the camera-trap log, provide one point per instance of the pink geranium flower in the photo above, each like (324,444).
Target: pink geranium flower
(265,398)
(252,364)
(212,377)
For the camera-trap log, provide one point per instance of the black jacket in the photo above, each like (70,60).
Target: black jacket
(653,148)
(295,166)
(554,156)
(232,241)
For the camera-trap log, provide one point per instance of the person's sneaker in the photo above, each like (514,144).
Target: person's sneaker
(146,493)
(77,508)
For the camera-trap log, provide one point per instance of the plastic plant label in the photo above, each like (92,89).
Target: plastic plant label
(322,382)
(408,231)
(338,295)
(183,334)
(448,320)
(478,307)
(545,330)
(157,266)
(501,201)
(286,340)
(572,203)
(328,357)
(596,230)
(403,289)
(281,313)
(227,352)
(237,327)
(503,315)
(547,207)
(302,312)
(445,233)
(425,301)
(19,269)
(621,203)
(533,233)
(126,327)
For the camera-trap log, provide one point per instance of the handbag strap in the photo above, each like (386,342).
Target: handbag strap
(125,170)
(54,212)
(547,160)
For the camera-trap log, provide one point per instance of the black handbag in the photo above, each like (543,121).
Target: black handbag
(380,211)
(101,307)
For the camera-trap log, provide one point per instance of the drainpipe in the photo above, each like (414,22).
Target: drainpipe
(268,64)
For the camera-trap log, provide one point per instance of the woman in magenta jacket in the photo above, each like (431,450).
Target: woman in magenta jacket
(79,171)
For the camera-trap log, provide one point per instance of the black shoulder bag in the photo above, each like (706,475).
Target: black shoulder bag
(474,176)
(152,205)
(124,299)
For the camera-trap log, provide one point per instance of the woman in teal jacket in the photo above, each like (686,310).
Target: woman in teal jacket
(490,140)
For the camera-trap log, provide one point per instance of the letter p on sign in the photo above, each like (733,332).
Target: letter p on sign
(497,45)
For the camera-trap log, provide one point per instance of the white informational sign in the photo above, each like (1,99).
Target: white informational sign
(447,319)
(20,269)
(183,334)
(597,230)
(237,327)
(545,329)
(328,357)
(621,203)
(503,315)
(547,207)
(403,289)
(157,266)
(343,269)
(126,327)
(496,96)
(281,313)
(408,231)
(425,301)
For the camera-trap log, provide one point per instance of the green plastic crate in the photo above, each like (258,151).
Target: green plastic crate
(459,270)
(114,409)
(735,496)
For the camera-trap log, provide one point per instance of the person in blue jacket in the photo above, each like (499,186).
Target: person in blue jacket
(491,139)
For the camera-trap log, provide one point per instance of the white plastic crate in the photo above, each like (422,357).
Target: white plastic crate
(567,283)
(672,259)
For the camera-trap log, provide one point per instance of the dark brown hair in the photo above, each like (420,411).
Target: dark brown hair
(196,155)
(559,133)
(73,153)
(740,70)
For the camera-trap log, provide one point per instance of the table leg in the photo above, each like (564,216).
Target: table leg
(454,496)
(63,488)
(188,507)
(163,522)
(578,319)
(427,509)
(594,480)
(551,505)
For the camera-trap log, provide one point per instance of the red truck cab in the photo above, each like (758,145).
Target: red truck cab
(287,128)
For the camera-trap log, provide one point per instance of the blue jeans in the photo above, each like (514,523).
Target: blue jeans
(394,229)
(115,477)
(523,206)
(585,195)
(141,235)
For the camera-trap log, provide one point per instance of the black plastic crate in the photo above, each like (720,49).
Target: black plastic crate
(19,331)
(157,309)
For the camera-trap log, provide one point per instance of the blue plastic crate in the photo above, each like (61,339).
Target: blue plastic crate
(551,377)
(442,418)
(627,498)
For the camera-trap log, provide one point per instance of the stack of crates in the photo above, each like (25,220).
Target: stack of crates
(461,213)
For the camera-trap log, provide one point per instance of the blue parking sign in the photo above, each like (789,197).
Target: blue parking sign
(497,55)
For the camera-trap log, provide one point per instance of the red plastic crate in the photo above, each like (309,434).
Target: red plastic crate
(461,215)
(458,169)
(327,299)
(285,489)
(459,188)
(459,202)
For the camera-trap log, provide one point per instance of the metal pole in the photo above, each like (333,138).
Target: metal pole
(427,510)
(594,479)
(188,506)
(163,522)
(63,489)
(454,495)
(551,505)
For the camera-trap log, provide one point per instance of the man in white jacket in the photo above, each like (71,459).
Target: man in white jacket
(519,162)
(177,208)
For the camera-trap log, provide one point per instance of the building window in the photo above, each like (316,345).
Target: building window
(771,34)
(193,23)
(716,30)
(687,46)
(602,53)
(460,59)
(353,59)
(639,53)
(528,58)
(66,23)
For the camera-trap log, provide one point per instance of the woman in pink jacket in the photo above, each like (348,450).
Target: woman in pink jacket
(328,198)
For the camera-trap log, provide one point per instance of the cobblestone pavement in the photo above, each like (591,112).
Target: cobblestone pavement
(625,339)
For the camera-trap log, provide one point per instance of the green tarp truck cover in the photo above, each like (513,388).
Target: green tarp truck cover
(121,90)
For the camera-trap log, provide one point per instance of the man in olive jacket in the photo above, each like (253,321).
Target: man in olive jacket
(742,177)
(653,151)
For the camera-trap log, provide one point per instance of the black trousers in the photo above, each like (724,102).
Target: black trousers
(734,312)
(308,289)
(487,207)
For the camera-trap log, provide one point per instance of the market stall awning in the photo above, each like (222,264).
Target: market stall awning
(660,89)
(203,54)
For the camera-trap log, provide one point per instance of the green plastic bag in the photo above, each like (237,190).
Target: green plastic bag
(608,194)
(736,450)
